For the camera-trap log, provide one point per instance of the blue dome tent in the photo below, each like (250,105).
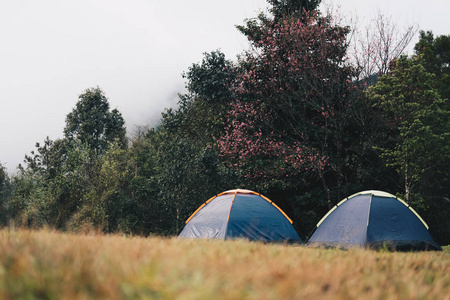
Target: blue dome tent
(373,219)
(240,214)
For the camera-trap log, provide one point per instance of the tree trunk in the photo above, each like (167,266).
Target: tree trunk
(327,190)
(407,185)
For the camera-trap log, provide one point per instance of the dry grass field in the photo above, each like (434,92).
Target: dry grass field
(51,265)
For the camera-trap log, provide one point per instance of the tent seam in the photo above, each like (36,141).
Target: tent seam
(368,217)
(231,206)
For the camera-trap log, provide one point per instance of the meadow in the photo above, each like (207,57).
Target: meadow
(52,265)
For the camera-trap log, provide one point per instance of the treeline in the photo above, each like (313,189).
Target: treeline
(297,118)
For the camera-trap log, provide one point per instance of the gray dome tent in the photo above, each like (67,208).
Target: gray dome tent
(240,214)
(373,219)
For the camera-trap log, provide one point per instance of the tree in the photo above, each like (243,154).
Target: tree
(173,175)
(48,158)
(293,93)
(283,8)
(382,42)
(201,111)
(104,202)
(176,164)
(72,182)
(3,180)
(435,53)
(5,190)
(93,123)
(63,183)
(417,121)
(145,183)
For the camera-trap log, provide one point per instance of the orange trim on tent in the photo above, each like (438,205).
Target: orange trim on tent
(235,193)
(271,202)
(232,201)
(209,200)
(201,206)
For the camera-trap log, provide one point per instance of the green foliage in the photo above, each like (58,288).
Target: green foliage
(5,193)
(79,182)
(27,204)
(417,120)
(145,184)
(211,79)
(86,192)
(174,172)
(5,184)
(119,210)
(92,123)
(435,53)
(280,9)
(283,8)
(176,166)
(103,202)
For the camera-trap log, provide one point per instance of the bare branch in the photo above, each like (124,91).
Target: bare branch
(380,44)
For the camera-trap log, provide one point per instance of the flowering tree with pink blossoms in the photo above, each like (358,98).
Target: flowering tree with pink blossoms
(261,155)
(292,98)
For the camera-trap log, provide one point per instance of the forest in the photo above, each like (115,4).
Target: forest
(311,113)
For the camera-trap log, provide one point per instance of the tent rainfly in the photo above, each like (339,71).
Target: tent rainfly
(240,214)
(373,219)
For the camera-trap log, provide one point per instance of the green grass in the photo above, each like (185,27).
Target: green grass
(52,265)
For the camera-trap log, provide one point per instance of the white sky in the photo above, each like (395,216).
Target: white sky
(136,50)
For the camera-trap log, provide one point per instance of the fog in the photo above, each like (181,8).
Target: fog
(135,51)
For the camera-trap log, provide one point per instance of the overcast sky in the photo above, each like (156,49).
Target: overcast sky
(135,51)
